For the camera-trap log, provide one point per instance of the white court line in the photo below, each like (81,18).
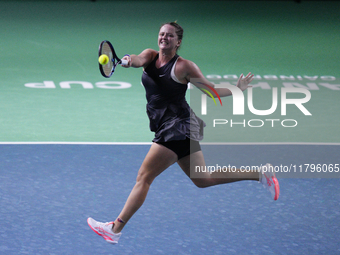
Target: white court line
(272,143)
(149,143)
(81,143)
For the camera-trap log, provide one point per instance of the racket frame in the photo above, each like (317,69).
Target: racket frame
(113,59)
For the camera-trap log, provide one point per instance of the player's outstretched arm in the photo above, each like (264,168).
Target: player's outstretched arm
(194,75)
(141,60)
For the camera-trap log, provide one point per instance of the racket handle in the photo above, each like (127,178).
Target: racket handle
(124,62)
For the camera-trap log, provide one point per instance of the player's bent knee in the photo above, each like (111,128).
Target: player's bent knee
(202,182)
(144,176)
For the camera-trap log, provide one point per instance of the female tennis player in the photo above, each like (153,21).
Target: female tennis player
(177,129)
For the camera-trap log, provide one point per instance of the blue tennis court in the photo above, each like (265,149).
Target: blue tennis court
(48,191)
(71,141)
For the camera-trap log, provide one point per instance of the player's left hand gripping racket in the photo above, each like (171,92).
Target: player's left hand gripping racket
(106,48)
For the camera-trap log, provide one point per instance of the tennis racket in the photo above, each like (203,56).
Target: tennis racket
(106,48)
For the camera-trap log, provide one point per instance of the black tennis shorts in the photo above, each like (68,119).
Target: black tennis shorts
(182,147)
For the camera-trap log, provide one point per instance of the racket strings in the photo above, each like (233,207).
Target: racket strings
(106,49)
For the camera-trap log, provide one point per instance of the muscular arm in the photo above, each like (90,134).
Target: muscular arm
(188,71)
(141,60)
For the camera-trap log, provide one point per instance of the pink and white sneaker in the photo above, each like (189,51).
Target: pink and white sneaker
(269,181)
(104,230)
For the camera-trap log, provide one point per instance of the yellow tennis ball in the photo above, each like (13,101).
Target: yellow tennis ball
(103,59)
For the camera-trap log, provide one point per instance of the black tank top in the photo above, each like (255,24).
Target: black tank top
(171,118)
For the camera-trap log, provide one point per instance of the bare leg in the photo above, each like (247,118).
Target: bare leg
(206,179)
(156,161)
